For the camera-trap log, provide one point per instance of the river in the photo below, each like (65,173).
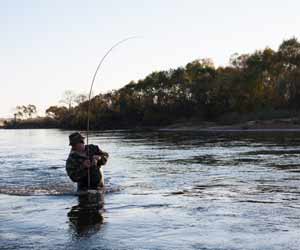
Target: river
(165,190)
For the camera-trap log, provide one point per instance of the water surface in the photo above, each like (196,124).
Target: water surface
(165,190)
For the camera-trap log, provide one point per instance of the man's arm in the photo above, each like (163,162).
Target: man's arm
(77,167)
(104,157)
(100,156)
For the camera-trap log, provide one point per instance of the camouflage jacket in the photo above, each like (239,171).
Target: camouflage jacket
(78,173)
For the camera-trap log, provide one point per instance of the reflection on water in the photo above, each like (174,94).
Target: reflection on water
(86,217)
(166,190)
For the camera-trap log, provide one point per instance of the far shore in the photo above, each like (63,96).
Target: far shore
(275,125)
(271,125)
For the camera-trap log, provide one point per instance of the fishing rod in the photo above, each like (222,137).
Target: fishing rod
(90,93)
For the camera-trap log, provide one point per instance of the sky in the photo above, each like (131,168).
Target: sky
(50,46)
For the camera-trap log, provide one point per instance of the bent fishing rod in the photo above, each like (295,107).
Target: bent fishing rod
(90,93)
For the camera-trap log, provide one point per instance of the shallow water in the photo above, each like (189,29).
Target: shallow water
(165,190)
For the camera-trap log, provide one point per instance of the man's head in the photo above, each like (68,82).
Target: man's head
(76,141)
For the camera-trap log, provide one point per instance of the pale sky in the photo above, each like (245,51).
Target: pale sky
(49,46)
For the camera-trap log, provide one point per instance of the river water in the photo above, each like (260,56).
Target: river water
(165,190)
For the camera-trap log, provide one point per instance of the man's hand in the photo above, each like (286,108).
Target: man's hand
(96,158)
(87,164)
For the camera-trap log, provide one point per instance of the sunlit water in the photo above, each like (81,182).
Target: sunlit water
(165,190)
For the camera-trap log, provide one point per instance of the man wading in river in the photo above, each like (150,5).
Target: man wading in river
(84,158)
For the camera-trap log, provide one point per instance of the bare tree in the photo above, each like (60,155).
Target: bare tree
(81,98)
(68,98)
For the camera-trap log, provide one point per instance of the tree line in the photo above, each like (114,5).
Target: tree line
(264,81)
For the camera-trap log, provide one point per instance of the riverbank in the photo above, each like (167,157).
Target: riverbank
(288,124)
(31,123)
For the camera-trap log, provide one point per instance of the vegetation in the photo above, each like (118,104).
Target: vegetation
(265,82)
(25,111)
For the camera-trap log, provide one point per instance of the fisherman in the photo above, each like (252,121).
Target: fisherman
(84,163)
